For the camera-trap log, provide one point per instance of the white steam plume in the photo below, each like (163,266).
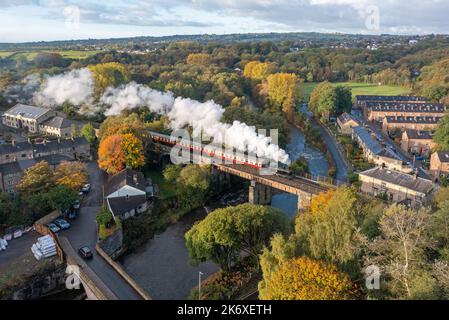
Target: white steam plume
(76,87)
(200,116)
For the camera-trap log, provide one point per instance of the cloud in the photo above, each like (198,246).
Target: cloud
(208,16)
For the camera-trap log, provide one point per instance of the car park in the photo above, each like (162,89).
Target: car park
(85,252)
(62,224)
(53,228)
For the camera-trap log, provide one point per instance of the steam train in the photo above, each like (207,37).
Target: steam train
(227,157)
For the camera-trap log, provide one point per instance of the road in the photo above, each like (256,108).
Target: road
(84,232)
(342,166)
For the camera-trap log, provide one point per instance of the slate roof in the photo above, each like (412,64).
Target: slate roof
(55,145)
(59,122)
(367,140)
(405,180)
(421,120)
(126,177)
(26,111)
(394,106)
(345,117)
(418,134)
(120,205)
(7,148)
(390,98)
(443,156)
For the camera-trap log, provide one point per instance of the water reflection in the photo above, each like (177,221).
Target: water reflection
(318,165)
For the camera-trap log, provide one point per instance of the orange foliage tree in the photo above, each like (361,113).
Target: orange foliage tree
(306,279)
(119,151)
(111,156)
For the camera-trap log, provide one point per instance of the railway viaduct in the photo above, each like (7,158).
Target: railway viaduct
(262,187)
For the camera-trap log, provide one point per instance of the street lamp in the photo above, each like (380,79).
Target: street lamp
(199,285)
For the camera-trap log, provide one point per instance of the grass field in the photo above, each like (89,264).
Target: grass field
(4,54)
(361,89)
(70,54)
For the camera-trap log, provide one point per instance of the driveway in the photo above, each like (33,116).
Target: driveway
(84,232)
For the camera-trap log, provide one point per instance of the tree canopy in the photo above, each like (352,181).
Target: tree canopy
(224,233)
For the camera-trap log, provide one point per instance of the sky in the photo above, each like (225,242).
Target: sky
(44,20)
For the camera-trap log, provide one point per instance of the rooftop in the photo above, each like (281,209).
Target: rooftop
(367,140)
(390,98)
(405,180)
(346,117)
(126,177)
(26,111)
(418,134)
(393,106)
(443,156)
(424,120)
(58,122)
(120,205)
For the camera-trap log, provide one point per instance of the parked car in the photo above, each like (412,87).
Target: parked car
(85,252)
(419,158)
(73,214)
(54,228)
(61,223)
(86,188)
(76,205)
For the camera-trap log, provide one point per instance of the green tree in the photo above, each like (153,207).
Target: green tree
(441,136)
(61,197)
(88,132)
(344,99)
(225,233)
(323,100)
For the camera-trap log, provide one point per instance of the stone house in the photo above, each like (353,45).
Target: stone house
(439,163)
(399,187)
(15,151)
(377,111)
(346,122)
(26,117)
(59,127)
(414,123)
(417,142)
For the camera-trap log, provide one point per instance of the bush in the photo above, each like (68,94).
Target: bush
(211,292)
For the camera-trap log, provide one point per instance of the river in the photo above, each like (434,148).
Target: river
(318,166)
(162,267)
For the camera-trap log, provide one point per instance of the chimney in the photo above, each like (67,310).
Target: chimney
(127,197)
(135,178)
(29,140)
(13,142)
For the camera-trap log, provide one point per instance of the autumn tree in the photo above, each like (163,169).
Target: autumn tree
(199,59)
(306,279)
(225,233)
(72,175)
(256,70)
(111,155)
(133,148)
(123,124)
(327,230)
(37,178)
(109,74)
(283,92)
